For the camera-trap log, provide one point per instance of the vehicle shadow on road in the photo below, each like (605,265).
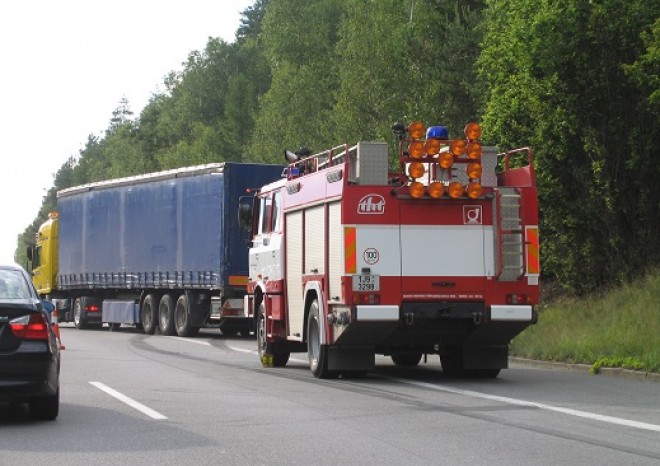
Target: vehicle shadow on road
(84,428)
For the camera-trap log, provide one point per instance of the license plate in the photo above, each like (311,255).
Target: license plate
(366,282)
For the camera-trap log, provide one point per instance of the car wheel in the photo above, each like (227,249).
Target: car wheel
(45,408)
(166,315)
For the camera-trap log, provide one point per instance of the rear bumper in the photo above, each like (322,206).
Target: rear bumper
(426,326)
(27,375)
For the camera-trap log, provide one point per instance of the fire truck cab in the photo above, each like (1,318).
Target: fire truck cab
(350,259)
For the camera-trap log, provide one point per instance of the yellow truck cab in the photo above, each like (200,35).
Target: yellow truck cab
(44,256)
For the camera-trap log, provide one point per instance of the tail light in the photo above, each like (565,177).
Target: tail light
(516,299)
(30,327)
(364,298)
(92,308)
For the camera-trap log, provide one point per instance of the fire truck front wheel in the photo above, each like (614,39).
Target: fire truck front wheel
(270,354)
(316,352)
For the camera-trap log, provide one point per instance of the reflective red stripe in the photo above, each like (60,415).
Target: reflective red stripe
(533,258)
(350,249)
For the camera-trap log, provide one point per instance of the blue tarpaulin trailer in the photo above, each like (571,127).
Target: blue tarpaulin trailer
(162,250)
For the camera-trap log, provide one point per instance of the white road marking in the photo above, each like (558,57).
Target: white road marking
(190,340)
(511,401)
(533,404)
(242,350)
(129,401)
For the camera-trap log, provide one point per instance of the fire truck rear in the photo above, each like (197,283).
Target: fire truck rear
(350,259)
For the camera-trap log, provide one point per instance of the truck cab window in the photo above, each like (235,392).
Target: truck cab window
(277,207)
(265,204)
(36,259)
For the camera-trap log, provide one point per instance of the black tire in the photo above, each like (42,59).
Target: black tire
(482,373)
(452,362)
(270,354)
(182,318)
(407,358)
(45,408)
(79,315)
(316,352)
(229,331)
(149,314)
(166,315)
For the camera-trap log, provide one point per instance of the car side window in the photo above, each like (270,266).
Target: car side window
(13,285)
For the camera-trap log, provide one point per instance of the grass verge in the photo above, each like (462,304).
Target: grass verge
(619,328)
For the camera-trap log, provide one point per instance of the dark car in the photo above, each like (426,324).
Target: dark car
(29,350)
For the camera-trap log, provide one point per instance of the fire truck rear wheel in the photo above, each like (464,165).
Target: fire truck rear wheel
(148,314)
(407,358)
(452,362)
(316,352)
(182,318)
(166,315)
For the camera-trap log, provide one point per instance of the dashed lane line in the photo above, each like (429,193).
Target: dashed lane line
(129,401)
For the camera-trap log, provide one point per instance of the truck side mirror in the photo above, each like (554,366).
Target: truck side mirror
(245,216)
(28,252)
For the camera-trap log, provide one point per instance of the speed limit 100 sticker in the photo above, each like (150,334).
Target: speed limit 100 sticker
(371,256)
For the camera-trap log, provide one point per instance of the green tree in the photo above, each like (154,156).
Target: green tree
(299,39)
(554,76)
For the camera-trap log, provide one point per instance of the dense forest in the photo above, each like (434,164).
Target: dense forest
(577,80)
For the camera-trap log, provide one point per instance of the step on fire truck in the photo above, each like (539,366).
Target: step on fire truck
(349,259)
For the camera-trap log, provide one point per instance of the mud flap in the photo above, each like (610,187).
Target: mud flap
(351,359)
(485,357)
(199,307)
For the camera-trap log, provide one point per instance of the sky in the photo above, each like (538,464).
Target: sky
(66,65)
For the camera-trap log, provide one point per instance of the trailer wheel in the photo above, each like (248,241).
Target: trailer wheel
(316,352)
(182,318)
(269,353)
(166,315)
(407,358)
(78,317)
(148,314)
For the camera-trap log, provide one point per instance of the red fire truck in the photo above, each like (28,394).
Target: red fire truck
(350,259)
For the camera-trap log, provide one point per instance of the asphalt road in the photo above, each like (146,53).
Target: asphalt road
(128,398)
